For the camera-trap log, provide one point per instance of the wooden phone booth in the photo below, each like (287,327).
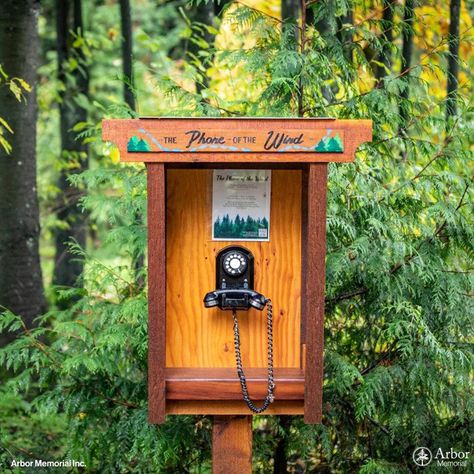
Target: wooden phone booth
(236,217)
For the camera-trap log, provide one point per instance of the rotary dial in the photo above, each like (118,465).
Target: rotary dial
(235,263)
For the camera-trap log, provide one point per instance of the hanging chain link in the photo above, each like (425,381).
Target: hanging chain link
(238,359)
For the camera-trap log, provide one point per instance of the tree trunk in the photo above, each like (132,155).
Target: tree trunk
(21,282)
(138,261)
(290,13)
(127,52)
(291,10)
(385,56)
(453,59)
(346,37)
(280,459)
(407,48)
(325,26)
(68,268)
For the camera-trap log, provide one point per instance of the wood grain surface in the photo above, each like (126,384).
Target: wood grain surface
(200,337)
(232,445)
(313,301)
(223,384)
(354,133)
(156,292)
(229,407)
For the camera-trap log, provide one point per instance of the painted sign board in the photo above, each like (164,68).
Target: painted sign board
(237,140)
(269,140)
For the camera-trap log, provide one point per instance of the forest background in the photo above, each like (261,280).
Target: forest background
(399,353)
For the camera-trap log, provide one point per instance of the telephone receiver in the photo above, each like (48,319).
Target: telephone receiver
(234,291)
(234,282)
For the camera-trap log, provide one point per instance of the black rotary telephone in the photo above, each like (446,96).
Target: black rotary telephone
(234,283)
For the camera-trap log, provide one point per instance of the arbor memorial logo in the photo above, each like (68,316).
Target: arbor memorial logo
(450,458)
(422,456)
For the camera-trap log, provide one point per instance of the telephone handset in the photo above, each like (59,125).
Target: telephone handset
(234,282)
(234,291)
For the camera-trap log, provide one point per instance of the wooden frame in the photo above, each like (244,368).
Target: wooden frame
(216,390)
(314,283)
(156,292)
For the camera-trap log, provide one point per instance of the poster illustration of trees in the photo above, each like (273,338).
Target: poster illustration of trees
(243,228)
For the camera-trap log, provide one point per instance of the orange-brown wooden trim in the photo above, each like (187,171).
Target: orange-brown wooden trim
(313,288)
(223,384)
(119,131)
(156,292)
(229,407)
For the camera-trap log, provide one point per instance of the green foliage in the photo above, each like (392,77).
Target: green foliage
(399,334)
(91,374)
(23,429)
(17,87)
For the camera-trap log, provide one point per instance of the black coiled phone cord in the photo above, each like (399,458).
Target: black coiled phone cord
(238,359)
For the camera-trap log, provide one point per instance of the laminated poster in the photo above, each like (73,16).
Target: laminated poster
(241,205)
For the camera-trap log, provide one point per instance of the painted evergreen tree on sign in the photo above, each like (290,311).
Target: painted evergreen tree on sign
(335,144)
(132,143)
(143,145)
(321,146)
(138,144)
(330,145)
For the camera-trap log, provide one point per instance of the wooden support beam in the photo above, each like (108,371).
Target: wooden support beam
(156,292)
(230,407)
(314,284)
(232,445)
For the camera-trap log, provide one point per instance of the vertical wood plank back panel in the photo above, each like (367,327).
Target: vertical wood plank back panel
(314,281)
(156,292)
(232,445)
(200,337)
(304,251)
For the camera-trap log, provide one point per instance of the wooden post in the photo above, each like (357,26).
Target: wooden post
(315,252)
(232,445)
(156,292)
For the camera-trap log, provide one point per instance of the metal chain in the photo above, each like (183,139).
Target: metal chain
(238,359)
